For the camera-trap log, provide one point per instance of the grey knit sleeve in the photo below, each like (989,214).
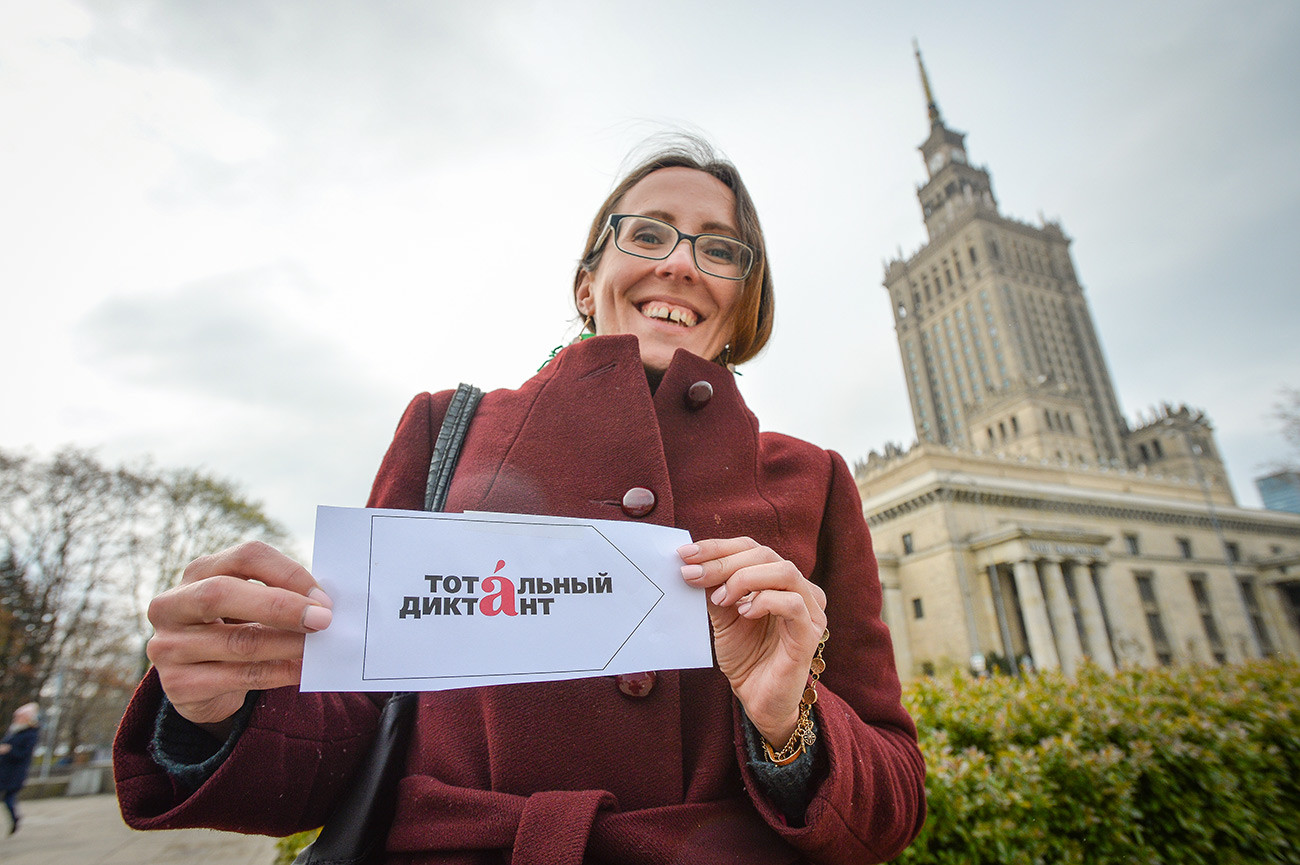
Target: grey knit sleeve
(189,753)
(790,787)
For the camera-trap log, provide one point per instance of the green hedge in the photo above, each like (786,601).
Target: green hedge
(1185,765)
(1173,766)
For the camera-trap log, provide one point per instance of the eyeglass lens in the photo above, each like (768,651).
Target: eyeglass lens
(715,254)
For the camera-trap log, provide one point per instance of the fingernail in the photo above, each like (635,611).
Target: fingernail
(720,595)
(743,607)
(692,572)
(688,550)
(318,595)
(317,618)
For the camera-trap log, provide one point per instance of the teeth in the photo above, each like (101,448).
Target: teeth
(677,314)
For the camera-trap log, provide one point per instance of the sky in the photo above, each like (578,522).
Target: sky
(239,236)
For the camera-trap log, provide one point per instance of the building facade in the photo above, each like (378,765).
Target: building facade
(1280,491)
(1030,524)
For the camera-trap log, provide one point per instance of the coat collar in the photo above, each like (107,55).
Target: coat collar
(596,355)
(576,437)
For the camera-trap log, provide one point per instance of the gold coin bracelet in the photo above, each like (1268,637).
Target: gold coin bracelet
(803,736)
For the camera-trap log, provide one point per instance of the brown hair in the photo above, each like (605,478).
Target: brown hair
(753,320)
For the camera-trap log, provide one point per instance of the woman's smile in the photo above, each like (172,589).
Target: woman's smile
(663,311)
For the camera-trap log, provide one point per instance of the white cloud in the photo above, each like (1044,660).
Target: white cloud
(240,234)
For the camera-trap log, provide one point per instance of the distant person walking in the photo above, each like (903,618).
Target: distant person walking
(16,757)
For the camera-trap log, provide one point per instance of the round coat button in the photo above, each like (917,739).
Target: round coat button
(638,501)
(637,684)
(699,394)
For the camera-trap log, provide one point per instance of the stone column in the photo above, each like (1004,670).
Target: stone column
(1034,610)
(1062,615)
(994,574)
(1286,625)
(895,616)
(1094,624)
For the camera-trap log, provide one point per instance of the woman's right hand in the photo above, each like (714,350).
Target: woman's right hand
(234,624)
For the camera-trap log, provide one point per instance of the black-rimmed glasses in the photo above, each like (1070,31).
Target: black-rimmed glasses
(647,237)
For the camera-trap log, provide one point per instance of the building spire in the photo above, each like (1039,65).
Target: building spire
(935,119)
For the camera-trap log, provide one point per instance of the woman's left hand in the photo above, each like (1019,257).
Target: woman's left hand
(767,621)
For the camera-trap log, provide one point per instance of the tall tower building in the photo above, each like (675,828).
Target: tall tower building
(1030,526)
(997,341)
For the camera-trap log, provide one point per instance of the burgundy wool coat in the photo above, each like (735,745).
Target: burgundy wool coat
(578,772)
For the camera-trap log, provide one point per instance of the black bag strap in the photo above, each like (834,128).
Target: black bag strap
(446,448)
(357,830)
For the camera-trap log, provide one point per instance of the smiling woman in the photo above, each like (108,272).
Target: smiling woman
(793,748)
(661,293)
(657,288)
(689,178)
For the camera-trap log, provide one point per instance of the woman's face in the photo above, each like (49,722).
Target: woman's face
(667,304)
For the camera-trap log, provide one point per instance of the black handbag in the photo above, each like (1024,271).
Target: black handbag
(357,830)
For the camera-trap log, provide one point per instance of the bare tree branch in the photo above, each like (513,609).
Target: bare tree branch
(83,547)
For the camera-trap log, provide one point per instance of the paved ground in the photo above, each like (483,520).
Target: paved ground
(88,830)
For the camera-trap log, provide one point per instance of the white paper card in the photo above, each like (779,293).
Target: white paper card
(429,601)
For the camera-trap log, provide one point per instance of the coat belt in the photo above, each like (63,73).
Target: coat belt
(560,827)
(543,828)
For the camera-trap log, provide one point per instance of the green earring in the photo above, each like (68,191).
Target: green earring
(588,324)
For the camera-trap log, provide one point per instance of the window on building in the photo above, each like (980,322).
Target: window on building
(973,258)
(1131,544)
(1015,425)
(1184,547)
(1232,551)
(1155,623)
(1253,612)
(918,611)
(1146,456)
(907,543)
(1155,447)
(1212,635)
